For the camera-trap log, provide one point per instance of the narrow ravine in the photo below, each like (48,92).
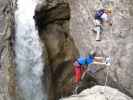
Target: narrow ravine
(28,50)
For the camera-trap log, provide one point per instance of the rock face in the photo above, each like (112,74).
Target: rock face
(116,40)
(99,93)
(7,66)
(63,25)
(53,23)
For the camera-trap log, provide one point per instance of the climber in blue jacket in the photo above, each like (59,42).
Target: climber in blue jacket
(81,62)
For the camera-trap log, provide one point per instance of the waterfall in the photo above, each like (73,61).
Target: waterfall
(28,50)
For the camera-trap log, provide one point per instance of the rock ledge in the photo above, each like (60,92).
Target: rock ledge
(99,93)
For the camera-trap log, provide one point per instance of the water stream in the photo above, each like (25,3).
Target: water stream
(28,50)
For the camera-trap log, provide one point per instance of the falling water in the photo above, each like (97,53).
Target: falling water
(28,49)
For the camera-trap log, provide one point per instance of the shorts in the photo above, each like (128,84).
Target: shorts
(99,18)
(97,22)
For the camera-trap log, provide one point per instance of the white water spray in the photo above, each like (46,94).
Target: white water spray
(28,51)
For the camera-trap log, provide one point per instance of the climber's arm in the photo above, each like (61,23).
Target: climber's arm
(99,58)
(99,63)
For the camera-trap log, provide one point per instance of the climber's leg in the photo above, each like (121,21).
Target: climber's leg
(98,31)
(99,60)
(84,73)
(77,75)
(102,60)
(97,28)
(97,22)
(99,63)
